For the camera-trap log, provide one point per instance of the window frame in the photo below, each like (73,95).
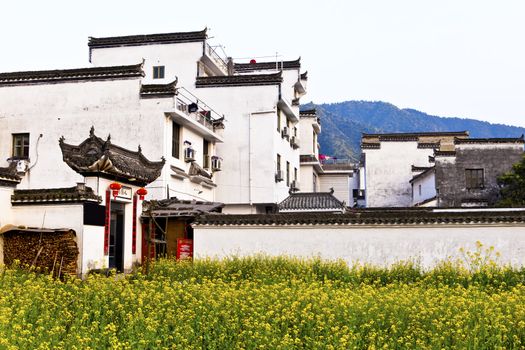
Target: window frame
(175,141)
(159,72)
(23,147)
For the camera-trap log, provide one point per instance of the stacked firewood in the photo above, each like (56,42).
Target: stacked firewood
(52,251)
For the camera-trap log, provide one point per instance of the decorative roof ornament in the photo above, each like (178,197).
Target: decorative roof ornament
(96,157)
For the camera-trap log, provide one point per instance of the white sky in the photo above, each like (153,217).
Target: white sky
(463,58)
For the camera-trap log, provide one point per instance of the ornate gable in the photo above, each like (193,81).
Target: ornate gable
(96,157)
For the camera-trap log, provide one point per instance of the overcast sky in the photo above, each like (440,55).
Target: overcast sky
(454,58)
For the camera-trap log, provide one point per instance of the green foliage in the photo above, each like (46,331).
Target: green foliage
(270,303)
(513,186)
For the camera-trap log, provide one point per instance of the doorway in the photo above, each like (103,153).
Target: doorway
(116,237)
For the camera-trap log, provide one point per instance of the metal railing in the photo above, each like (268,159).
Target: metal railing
(216,58)
(197,109)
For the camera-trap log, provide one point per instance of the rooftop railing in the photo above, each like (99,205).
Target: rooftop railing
(221,62)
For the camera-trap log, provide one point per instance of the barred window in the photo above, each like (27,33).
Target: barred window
(21,146)
(474,178)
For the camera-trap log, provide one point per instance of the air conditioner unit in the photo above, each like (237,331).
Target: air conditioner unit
(295,142)
(189,154)
(279,176)
(285,133)
(216,164)
(22,165)
(295,185)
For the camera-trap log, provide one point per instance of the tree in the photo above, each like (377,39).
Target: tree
(512,186)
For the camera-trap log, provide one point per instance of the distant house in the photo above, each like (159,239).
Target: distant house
(391,160)
(466,176)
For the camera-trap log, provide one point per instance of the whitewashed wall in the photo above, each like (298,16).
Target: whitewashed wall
(374,245)
(5,205)
(388,174)
(427,183)
(340,183)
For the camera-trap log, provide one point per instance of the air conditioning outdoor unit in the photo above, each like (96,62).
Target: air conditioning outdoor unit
(279,176)
(22,165)
(286,132)
(216,164)
(189,154)
(295,142)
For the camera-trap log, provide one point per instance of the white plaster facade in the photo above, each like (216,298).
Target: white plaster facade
(377,245)
(424,187)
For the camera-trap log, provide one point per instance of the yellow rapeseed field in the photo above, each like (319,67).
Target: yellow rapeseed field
(268,303)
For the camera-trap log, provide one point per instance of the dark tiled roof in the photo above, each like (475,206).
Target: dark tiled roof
(240,80)
(420,175)
(67,75)
(248,67)
(490,140)
(428,145)
(420,168)
(381,217)
(54,195)
(308,113)
(147,39)
(159,90)
(181,208)
(9,176)
(370,145)
(411,135)
(304,76)
(95,156)
(311,201)
(444,153)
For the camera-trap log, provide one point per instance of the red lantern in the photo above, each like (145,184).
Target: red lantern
(142,192)
(252,61)
(115,188)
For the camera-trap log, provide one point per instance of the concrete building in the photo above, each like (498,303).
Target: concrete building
(390,161)
(467,176)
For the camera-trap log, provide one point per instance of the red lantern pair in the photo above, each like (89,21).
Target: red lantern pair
(141,192)
(115,188)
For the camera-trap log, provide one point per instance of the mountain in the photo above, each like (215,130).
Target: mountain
(343,123)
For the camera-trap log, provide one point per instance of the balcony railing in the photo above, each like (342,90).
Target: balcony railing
(216,58)
(198,110)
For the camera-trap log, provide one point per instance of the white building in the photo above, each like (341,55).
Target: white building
(390,161)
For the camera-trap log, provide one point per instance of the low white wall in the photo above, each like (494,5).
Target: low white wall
(375,245)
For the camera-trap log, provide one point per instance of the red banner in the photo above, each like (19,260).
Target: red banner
(107,222)
(184,249)
(134,227)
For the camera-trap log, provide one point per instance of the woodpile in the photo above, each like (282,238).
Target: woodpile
(55,251)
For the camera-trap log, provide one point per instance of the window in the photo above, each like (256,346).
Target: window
(474,178)
(158,72)
(278,120)
(205,154)
(21,146)
(314,142)
(295,131)
(315,183)
(278,162)
(288,123)
(175,141)
(420,190)
(287,173)
(295,174)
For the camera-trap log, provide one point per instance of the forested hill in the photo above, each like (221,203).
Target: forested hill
(343,123)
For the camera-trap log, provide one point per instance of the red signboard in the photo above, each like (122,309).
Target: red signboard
(107,222)
(184,249)
(134,227)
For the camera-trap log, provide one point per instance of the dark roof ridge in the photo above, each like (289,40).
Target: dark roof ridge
(268,65)
(148,39)
(490,140)
(311,112)
(75,74)
(55,195)
(159,90)
(423,173)
(240,80)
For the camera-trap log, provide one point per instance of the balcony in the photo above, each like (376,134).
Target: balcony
(214,61)
(196,115)
(286,107)
(310,159)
